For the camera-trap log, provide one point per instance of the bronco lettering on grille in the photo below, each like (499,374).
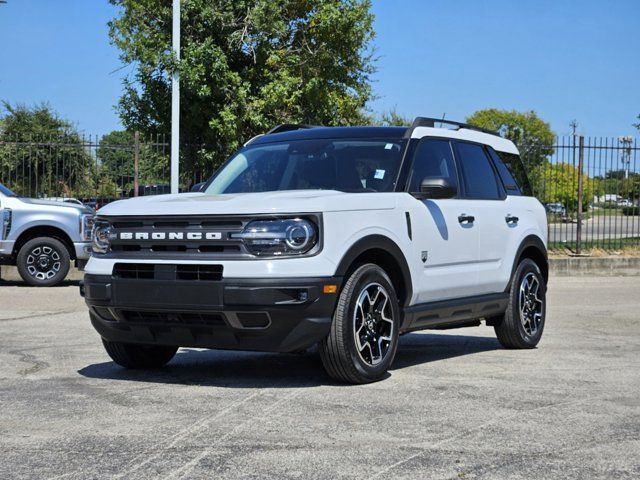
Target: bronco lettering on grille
(169,235)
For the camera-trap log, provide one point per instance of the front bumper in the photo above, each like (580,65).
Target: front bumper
(276,315)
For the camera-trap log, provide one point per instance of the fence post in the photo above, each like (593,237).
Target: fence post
(136,162)
(580,193)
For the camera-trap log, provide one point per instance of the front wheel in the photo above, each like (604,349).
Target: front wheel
(43,262)
(523,322)
(130,355)
(363,339)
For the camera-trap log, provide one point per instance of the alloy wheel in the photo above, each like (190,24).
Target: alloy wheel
(43,262)
(530,303)
(373,324)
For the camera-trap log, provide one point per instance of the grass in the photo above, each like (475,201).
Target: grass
(626,245)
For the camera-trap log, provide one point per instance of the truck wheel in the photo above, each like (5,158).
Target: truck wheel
(364,333)
(523,322)
(43,262)
(130,355)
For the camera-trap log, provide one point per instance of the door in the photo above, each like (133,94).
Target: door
(445,237)
(485,192)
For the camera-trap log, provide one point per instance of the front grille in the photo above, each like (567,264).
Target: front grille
(150,271)
(172,318)
(176,237)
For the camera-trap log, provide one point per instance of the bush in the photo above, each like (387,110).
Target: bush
(631,210)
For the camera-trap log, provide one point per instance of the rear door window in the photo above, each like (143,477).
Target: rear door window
(479,177)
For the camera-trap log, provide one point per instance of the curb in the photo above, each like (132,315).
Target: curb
(595,266)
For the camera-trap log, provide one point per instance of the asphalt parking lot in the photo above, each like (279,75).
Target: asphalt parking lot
(455,405)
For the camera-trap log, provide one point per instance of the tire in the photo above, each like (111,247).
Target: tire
(129,355)
(516,330)
(43,262)
(344,352)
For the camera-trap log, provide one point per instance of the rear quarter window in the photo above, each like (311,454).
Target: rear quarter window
(512,173)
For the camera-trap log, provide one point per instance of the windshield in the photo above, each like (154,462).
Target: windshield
(6,192)
(348,165)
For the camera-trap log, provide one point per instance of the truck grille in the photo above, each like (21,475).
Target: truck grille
(177,237)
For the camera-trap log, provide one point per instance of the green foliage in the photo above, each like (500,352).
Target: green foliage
(558,183)
(116,159)
(42,153)
(246,65)
(391,119)
(635,210)
(533,135)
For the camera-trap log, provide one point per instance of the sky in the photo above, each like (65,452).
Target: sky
(564,59)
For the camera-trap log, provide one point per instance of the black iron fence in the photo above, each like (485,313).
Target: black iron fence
(589,186)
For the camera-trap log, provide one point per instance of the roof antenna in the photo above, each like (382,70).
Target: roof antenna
(443,115)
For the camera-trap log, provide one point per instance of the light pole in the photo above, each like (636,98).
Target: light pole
(626,143)
(175,102)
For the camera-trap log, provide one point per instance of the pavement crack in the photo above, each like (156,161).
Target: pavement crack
(36,365)
(39,314)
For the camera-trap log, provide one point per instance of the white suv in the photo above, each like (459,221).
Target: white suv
(347,237)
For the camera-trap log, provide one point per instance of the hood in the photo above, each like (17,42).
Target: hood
(55,204)
(292,201)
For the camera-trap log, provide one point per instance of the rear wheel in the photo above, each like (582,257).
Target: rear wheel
(523,322)
(363,339)
(43,262)
(130,355)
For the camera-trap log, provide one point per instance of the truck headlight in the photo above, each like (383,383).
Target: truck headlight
(86,226)
(100,236)
(279,237)
(5,226)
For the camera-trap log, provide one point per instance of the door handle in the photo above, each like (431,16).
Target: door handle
(465,219)
(511,220)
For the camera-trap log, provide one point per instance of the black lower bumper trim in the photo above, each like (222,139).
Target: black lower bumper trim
(279,315)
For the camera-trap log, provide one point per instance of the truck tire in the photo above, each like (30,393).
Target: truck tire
(134,356)
(363,339)
(43,262)
(523,322)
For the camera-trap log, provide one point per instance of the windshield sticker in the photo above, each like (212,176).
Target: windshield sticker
(388,146)
(379,174)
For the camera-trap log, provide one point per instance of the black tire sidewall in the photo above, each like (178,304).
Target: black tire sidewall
(27,248)
(525,267)
(366,275)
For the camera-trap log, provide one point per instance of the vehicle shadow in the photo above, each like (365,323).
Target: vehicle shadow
(20,283)
(230,369)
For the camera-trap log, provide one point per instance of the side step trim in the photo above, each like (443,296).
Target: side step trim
(455,311)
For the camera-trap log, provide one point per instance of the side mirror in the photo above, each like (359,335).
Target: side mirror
(197,187)
(437,187)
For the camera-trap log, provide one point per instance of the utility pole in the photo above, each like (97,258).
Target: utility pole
(574,125)
(175,103)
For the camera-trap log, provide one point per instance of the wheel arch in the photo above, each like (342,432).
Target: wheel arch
(532,247)
(385,253)
(44,231)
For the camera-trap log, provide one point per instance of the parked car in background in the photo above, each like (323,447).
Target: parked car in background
(72,200)
(42,237)
(556,209)
(625,202)
(152,189)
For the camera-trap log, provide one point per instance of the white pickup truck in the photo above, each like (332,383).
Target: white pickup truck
(346,237)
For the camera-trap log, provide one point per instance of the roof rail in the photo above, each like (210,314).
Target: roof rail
(288,127)
(431,122)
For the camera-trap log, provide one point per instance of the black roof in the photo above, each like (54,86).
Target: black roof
(332,132)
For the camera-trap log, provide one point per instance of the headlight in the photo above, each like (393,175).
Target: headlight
(5,227)
(294,236)
(86,226)
(100,236)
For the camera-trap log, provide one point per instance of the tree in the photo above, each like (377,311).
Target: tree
(558,183)
(116,154)
(533,135)
(41,153)
(246,65)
